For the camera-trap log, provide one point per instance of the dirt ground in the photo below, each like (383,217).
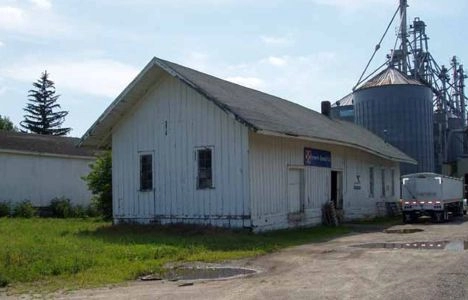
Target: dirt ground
(330,270)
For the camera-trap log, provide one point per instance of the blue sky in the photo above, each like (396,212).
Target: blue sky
(305,51)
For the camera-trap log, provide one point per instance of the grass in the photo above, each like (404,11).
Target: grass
(44,255)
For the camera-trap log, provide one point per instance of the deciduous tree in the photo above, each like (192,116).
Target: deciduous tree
(7,124)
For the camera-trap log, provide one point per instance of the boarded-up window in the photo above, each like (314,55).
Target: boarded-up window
(205,171)
(371,182)
(146,172)
(383,182)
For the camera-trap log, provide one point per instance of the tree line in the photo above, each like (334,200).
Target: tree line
(43,113)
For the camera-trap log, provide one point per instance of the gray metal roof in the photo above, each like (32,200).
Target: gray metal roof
(43,144)
(345,101)
(263,113)
(389,76)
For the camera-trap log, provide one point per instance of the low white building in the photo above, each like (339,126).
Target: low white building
(189,147)
(39,168)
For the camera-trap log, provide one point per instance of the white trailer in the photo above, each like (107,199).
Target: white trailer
(433,195)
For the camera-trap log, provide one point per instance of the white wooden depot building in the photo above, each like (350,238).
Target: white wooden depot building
(189,147)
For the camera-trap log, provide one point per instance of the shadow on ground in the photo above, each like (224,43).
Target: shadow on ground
(212,238)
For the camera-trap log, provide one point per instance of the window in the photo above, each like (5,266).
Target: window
(371,182)
(205,171)
(393,182)
(383,182)
(146,172)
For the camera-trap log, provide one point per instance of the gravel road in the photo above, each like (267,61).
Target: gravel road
(331,270)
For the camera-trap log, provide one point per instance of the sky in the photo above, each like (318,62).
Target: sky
(305,51)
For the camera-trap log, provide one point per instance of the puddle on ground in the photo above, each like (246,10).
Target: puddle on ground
(404,230)
(206,273)
(442,245)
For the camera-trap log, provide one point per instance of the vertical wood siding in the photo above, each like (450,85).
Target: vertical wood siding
(39,179)
(192,121)
(270,158)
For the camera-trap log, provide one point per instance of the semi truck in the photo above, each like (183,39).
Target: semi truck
(433,195)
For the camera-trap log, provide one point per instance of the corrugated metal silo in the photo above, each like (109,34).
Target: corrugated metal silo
(399,110)
(344,109)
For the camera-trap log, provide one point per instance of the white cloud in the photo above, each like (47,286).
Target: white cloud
(276,40)
(304,79)
(251,82)
(44,4)
(277,61)
(100,77)
(11,17)
(30,22)
(2,44)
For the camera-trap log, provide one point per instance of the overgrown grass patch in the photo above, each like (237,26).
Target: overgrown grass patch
(49,254)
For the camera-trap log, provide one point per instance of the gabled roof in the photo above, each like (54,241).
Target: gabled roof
(389,76)
(42,144)
(261,112)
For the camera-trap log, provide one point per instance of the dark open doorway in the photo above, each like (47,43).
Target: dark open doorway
(336,191)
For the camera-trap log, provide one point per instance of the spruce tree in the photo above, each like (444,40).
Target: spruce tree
(43,117)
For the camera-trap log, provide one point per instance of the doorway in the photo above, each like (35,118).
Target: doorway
(336,192)
(295,190)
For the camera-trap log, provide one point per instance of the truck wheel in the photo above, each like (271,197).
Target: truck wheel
(446,214)
(438,216)
(408,218)
(460,211)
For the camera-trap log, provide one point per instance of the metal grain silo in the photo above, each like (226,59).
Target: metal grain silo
(343,109)
(399,110)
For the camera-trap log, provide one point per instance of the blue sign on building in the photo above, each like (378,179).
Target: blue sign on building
(317,158)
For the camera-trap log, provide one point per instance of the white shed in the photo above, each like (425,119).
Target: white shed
(189,147)
(39,168)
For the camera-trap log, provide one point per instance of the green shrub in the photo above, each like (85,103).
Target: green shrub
(5,209)
(79,211)
(99,181)
(24,210)
(61,208)
(3,281)
(92,211)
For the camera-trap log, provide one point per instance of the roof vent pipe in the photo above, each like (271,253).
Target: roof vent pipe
(326,108)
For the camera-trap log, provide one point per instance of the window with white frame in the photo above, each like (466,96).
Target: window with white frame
(146,172)
(204,168)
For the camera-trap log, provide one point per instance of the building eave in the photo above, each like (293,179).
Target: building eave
(46,154)
(334,142)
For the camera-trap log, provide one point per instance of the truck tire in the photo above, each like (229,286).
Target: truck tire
(460,211)
(408,218)
(446,214)
(438,216)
